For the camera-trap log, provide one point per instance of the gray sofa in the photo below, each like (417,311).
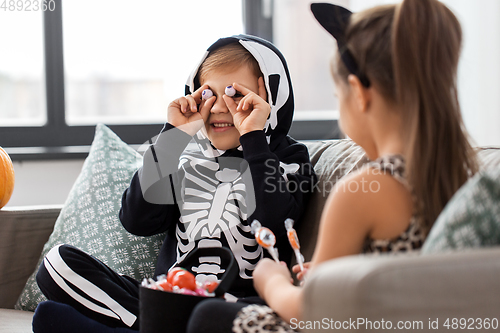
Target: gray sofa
(407,288)
(23,232)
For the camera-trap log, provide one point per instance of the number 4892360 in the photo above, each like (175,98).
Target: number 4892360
(28,5)
(471,323)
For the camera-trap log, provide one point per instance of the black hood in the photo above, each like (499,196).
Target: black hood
(278,85)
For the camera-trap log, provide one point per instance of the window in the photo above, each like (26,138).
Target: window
(135,57)
(119,62)
(22,89)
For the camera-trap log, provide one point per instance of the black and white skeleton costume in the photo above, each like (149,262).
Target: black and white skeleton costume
(205,197)
(215,211)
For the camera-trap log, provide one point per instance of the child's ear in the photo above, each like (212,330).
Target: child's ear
(262,88)
(359,92)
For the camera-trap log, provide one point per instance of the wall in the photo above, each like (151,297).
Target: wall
(479,68)
(308,49)
(43,182)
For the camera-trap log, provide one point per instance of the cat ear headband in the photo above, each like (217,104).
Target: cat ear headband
(335,20)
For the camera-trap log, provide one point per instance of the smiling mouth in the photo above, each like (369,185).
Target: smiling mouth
(222,125)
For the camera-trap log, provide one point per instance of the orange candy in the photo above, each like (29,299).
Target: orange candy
(294,240)
(173,272)
(184,279)
(211,286)
(265,237)
(165,285)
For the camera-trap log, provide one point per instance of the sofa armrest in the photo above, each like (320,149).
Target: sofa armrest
(404,288)
(23,232)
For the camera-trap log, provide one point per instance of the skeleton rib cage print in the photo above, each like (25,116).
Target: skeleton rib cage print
(216,200)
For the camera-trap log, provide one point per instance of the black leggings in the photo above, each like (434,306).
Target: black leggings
(217,315)
(70,276)
(213,316)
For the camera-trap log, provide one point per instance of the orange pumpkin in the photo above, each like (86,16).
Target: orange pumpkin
(6,177)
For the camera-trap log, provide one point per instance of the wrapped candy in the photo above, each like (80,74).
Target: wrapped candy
(265,238)
(230,91)
(181,281)
(206,94)
(294,242)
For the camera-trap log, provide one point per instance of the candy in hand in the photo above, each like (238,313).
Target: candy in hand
(230,91)
(294,242)
(206,94)
(265,238)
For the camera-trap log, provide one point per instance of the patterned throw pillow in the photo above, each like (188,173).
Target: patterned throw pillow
(89,219)
(471,218)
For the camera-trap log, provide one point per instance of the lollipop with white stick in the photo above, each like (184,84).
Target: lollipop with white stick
(265,238)
(294,242)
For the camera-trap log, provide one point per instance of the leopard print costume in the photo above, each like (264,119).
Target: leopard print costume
(413,237)
(258,318)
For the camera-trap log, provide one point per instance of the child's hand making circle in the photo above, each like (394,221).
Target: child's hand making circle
(189,113)
(251,113)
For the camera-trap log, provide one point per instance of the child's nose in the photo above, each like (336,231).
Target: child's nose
(219,106)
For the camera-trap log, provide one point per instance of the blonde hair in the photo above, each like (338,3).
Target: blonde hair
(228,58)
(410,53)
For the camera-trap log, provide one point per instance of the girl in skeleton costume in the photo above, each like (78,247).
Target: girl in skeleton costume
(241,166)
